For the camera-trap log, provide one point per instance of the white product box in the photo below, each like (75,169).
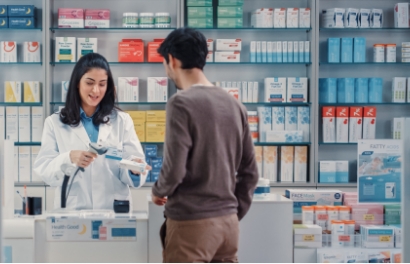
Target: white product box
(259,160)
(351,17)
(13,92)
(278,118)
(398,236)
(16,164)
(210,56)
(227,56)
(329,124)
(228,84)
(297,90)
(245,92)
(302,51)
(333,17)
(292,18)
(258,51)
(12,123)
(301,154)
(255,92)
(239,86)
(355,124)
(265,122)
(269,51)
(253,51)
(223,84)
(262,18)
(232,91)
(307,51)
(34,153)
(70,18)
(342,124)
(24,124)
(264,52)
(296,51)
(157,89)
(228,44)
(64,90)
(364,18)
(24,164)
(369,122)
(377,236)
(65,49)
(128,89)
(376,18)
(97,18)
(270,163)
(32,92)
(334,256)
(2,123)
(279,54)
(398,127)
(399,90)
(327,171)
(342,171)
(304,17)
(307,236)
(284,51)
(408,90)
(401,15)
(8,51)
(286,163)
(279,18)
(31,51)
(250,92)
(304,122)
(37,121)
(210,44)
(85,46)
(284,136)
(291,118)
(314,196)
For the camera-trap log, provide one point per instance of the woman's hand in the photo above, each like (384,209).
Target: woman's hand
(147,167)
(82,158)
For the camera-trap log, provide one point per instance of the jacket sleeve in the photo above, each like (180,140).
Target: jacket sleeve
(178,142)
(131,149)
(247,176)
(49,160)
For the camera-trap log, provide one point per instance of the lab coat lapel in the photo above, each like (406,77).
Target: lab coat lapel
(104,131)
(81,133)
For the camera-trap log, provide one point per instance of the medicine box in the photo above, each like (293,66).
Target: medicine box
(24,124)
(270,163)
(97,18)
(361,90)
(375,90)
(230,22)
(342,124)
(3,11)
(131,50)
(21,22)
(13,92)
(32,92)
(359,50)
(265,122)
(327,171)
(369,122)
(351,18)
(230,2)
(200,12)
(37,123)
(304,122)
(333,17)
(392,214)
(297,90)
(292,18)
(155,132)
(355,124)
(199,2)
(154,175)
(21,10)
(156,163)
(377,236)
(24,163)
(8,52)
(300,162)
(307,51)
(399,90)
(4,22)
(302,197)
(364,18)
(150,151)
(201,22)
(70,18)
(155,116)
(284,136)
(401,15)
(346,55)
(333,45)
(228,56)
(230,11)
(345,90)
(128,89)
(65,49)
(329,124)
(157,89)
(228,44)
(31,51)
(152,50)
(291,118)
(304,17)
(327,90)
(342,171)
(278,118)
(12,123)
(376,18)
(85,46)
(139,128)
(307,236)
(286,164)
(279,18)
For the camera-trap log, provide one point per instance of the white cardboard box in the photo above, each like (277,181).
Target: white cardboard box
(228,44)
(399,90)
(265,122)
(329,124)
(24,124)
(12,123)
(16,164)
(244,92)
(32,92)
(24,164)
(279,18)
(8,51)
(13,92)
(255,92)
(210,44)
(270,163)
(401,15)
(307,236)
(297,90)
(37,123)
(227,56)
(275,90)
(292,18)
(342,124)
(157,89)
(304,122)
(364,18)
(31,51)
(85,46)
(65,49)
(304,17)
(34,153)
(355,124)
(259,160)
(351,17)
(128,89)
(369,122)
(286,163)
(278,118)
(291,118)
(301,154)
(250,92)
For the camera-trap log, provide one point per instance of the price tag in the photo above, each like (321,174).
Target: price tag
(322,217)
(368,217)
(309,238)
(384,238)
(344,238)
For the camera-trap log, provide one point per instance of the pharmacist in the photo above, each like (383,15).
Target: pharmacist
(90,115)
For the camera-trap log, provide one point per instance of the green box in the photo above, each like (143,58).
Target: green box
(200,12)
(230,2)
(230,22)
(230,11)
(199,3)
(392,214)
(200,22)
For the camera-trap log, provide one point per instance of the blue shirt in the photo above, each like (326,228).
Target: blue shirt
(91,129)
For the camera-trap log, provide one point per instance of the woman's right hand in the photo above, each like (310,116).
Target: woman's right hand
(82,158)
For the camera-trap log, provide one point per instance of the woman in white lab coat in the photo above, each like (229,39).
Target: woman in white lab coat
(90,115)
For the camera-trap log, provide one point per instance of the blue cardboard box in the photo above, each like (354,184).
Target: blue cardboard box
(328,90)
(21,10)
(346,50)
(333,46)
(156,163)
(21,22)
(361,90)
(154,175)
(150,151)
(359,50)
(375,90)
(3,11)
(345,90)
(4,22)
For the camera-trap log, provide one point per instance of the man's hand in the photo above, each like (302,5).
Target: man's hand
(147,168)
(158,200)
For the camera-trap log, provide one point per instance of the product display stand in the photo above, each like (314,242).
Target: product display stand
(405,196)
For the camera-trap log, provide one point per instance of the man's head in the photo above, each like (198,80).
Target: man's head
(184,49)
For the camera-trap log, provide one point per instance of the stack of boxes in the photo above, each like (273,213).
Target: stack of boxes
(286,90)
(80,18)
(151,156)
(71,49)
(334,171)
(132,50)
(246,92)
(228,50)
(149,125)
(22,92)
(346,50)
(280,51)
(17,16)
(405,52)
(352,18)
(230,14)
(200,14)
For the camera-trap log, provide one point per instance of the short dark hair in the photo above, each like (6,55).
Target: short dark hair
(70,114)
(187,45)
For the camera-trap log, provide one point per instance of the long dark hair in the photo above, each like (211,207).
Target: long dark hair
(70,114)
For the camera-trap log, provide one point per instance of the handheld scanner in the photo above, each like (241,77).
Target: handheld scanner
(97,148)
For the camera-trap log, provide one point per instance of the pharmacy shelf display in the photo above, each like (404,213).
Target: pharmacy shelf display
(361,79)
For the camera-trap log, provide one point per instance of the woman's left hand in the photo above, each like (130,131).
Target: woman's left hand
(147,167)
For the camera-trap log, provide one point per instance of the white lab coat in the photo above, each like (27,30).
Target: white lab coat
(103,180)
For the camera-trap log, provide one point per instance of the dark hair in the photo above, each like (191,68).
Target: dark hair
(70,114)
(188,46)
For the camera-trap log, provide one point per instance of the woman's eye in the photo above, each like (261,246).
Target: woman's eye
(89,83)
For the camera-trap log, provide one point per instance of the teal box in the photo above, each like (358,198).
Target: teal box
(361,90)
(327,172)
(21,10)
(200,12)
(375,90)
(4,22)
(359,50)
(200,22)
(392,214)
(328,90)
(345,90)
(346,50)
(21,22)
(333,46)
(230,22)
(3,11)
(199,3)
(231,2)
(230,11)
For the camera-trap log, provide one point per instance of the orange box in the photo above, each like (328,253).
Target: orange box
(153,55)
(140,130)
(131,50)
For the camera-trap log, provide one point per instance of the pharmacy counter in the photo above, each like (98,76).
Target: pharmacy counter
(31,242)
(266,233)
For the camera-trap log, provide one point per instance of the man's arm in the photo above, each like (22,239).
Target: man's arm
(178,142)
(247,176)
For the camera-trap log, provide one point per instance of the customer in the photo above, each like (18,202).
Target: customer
(209,172)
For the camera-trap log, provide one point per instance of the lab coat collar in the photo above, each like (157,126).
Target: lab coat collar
(81,133)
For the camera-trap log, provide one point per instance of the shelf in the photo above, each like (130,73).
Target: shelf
(111,63)
(20,63)
(20,104)
(338,185)
(364,63)
(363,104)
(258,63)
(122,103)
(27,143)
(20,29)
(338,144)
(364,29)
(277,104)
(258,29)
(53,29)
(292,184)
(28,184)
(281,143)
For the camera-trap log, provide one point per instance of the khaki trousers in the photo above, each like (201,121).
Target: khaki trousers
(204,240)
